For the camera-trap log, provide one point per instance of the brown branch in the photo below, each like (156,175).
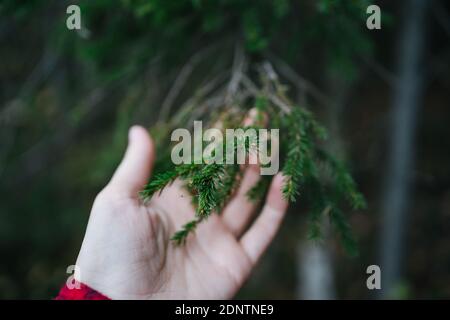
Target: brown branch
(301,83)
(180,81)
(239,64)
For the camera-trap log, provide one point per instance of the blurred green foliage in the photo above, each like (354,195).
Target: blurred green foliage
(126,33)
(69,97)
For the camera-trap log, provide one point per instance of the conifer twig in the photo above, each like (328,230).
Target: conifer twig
(213,184)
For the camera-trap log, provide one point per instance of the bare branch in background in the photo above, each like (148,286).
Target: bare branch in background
(254,90)
(238,68)
(44,153)
(190,105)
(14,109)
(299,81)
(181,80)
(382,72)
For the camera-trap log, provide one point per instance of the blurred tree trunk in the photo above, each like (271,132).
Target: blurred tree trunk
(315,272)
(407,98)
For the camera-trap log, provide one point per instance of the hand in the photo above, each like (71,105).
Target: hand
(127,252)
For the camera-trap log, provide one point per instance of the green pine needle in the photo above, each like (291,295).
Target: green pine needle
(212,185)
(181,235)
(158,183)
(258,191)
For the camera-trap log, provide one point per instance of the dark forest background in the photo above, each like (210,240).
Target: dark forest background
(67,99)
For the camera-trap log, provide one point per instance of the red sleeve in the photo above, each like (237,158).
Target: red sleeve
(80,292)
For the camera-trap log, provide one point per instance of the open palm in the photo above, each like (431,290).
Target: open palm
(127,252)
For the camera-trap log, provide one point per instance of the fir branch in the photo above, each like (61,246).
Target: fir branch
(344,183)
(158,183)
(181,235)
(318,207)
(231,181)
(186,170)
(207,182)
(344,231)
(316,130)
(299,146)
(212,185)
(258,191)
